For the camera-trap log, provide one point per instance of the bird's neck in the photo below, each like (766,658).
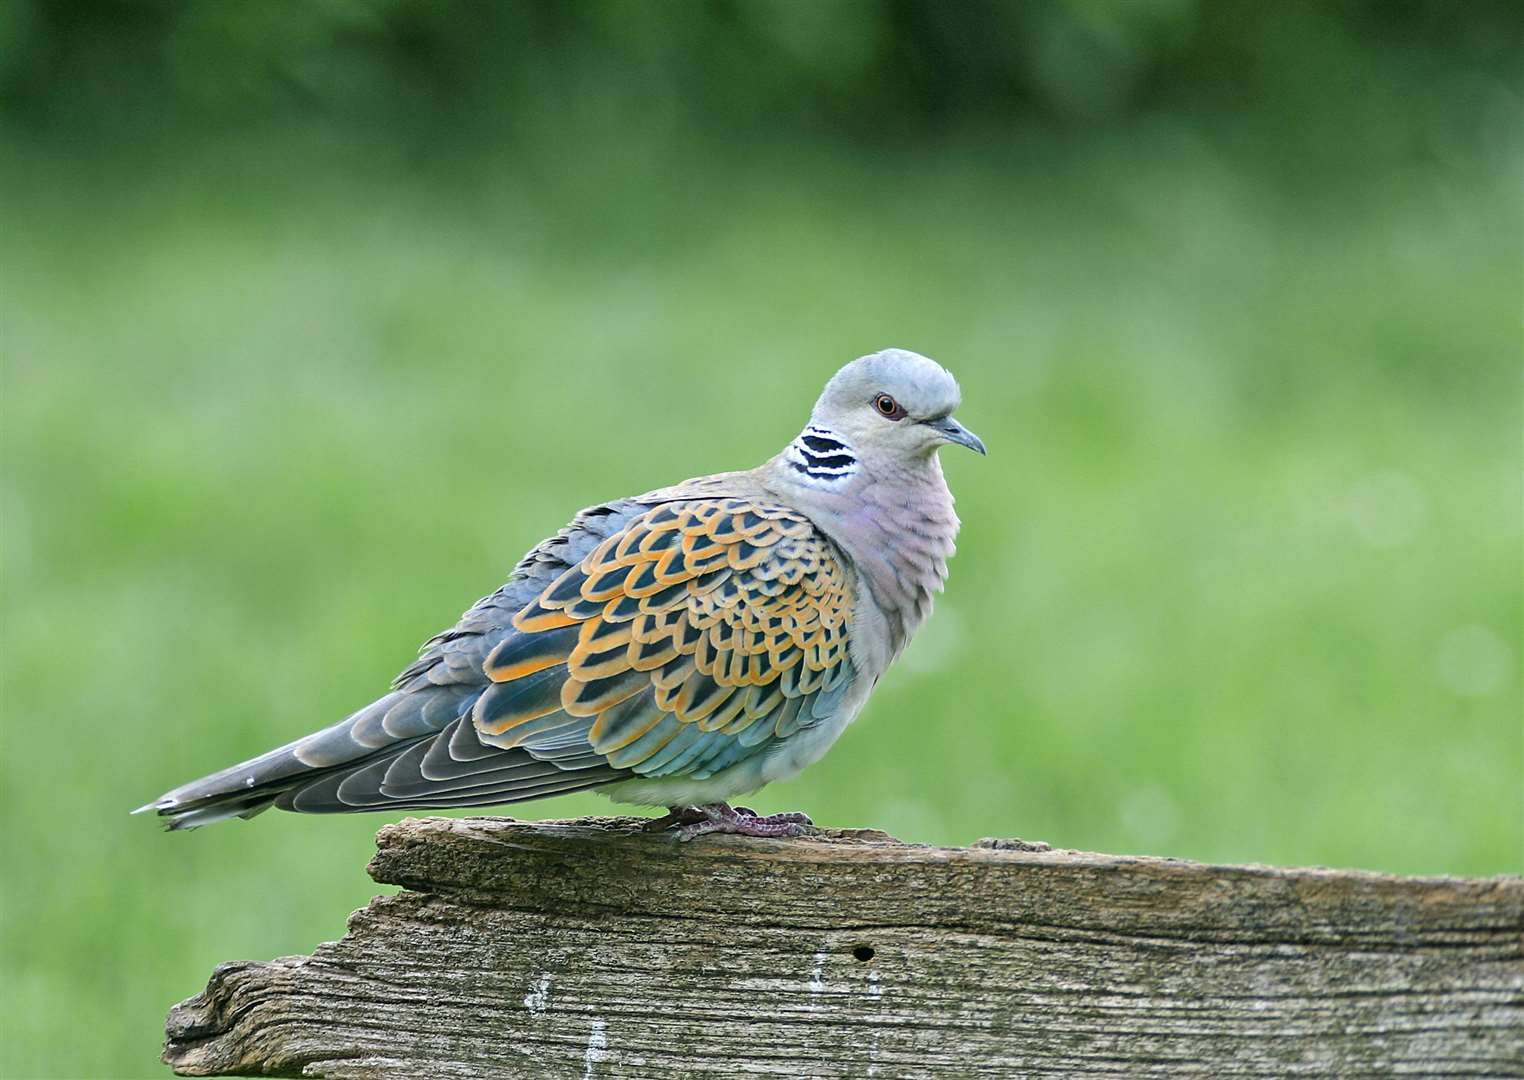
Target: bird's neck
(820,458)
(895,521)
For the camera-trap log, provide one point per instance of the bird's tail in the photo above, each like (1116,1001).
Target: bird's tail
(381,731)
(412,749)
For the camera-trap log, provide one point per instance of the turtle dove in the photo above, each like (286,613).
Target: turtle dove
(677,649)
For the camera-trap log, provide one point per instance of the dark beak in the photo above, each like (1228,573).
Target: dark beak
(955,432)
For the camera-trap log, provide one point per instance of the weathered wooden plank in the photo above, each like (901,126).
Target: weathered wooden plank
(591,949)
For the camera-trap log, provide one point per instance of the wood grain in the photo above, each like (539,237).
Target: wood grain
(590,949)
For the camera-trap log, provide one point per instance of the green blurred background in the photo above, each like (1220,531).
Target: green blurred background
(316,316)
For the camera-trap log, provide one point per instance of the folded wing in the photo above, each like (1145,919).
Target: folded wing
(674,639)
(679,646)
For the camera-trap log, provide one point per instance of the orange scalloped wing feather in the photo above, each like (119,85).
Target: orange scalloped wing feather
(679,645)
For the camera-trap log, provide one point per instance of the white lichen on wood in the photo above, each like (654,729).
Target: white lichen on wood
(592,949)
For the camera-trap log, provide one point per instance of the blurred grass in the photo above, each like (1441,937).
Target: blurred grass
(1240,579)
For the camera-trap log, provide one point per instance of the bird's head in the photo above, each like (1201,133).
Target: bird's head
(893,404)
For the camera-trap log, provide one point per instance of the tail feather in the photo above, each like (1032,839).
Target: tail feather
(338,795)
(409,749)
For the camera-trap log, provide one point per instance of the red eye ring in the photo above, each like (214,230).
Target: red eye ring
(888,408)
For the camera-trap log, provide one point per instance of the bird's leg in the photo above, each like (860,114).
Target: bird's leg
(695,815)
(739,821)
(675,815)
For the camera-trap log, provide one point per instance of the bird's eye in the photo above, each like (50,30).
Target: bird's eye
(888,407)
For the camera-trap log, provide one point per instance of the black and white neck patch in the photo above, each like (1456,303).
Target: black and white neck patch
(820,455)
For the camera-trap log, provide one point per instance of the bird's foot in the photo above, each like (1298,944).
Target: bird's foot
(787,817)
(695,821)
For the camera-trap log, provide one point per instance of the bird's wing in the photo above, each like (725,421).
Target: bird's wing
(679,645)
(664,636)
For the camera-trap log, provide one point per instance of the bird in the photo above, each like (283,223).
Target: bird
(674,649)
